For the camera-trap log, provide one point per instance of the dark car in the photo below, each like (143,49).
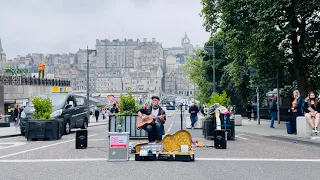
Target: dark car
(171,107)
(71,108)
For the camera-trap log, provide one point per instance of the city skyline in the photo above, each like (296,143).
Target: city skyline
(64,27)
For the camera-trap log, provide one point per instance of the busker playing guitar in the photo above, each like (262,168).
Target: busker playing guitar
(156,130)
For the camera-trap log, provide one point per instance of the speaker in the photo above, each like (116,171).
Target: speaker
(220,139)
(81,139)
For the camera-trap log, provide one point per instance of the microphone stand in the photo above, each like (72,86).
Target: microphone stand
(181,116)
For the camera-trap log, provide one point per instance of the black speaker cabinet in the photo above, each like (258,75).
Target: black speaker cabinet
(220,139)
(81,139)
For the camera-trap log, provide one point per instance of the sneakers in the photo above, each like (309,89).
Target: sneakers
(315,130)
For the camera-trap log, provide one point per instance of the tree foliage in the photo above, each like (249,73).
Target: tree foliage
(42,108)
(222,99)
(128,105)
(268,34)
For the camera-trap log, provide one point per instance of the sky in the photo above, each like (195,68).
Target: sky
(63,26)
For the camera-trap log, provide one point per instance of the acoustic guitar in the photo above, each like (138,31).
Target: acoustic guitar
(145,120)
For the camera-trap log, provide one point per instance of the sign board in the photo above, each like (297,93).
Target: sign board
(118,142)
(152,147)
(119,146)
(65,89)
(55,89)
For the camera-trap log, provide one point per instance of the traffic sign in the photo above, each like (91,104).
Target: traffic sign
(55,89)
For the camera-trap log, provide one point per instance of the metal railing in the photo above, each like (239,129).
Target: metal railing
(128,125)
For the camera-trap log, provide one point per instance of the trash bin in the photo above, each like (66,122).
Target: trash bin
(118,146)
(288,125)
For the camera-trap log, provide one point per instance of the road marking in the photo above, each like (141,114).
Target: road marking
(41,147)
(9,138)
(97,139)
(11,144)
(169,129)
(253,159)
(132,159)
(242,138)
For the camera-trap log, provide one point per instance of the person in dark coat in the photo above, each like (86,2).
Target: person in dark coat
(193,110)
(249,110)
(97,113)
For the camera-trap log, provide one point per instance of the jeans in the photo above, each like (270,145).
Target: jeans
(193,119)
(249,114)
(293,123)
(255,114)
(273,117)
(155,132)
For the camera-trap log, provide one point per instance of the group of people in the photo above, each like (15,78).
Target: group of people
(308,107)
(114,110)
(252,110)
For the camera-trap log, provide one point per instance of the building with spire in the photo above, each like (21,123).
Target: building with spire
(2,58)
(175,81)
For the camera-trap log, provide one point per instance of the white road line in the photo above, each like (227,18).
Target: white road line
(9,138)
(11,144)
(98,139)
(242,138)
(169,129)
(132,159)
(262,160)
(41,147)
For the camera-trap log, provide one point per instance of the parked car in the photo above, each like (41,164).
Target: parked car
(71,108)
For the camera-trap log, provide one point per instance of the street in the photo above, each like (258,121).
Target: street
(247,157)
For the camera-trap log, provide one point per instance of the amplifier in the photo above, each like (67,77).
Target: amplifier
(81,139)
(220,139)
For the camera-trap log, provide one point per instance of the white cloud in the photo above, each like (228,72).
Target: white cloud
(47,26)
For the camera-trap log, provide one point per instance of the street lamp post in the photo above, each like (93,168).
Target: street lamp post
(88,89)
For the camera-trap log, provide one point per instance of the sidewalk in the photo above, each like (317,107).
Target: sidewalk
(11,131)
(279,132)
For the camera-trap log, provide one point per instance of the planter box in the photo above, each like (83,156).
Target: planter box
(5,121)
(128,125)
(44,129)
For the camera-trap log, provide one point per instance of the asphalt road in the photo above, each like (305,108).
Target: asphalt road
(246,158)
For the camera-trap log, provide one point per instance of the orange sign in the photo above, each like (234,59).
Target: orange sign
(41,67)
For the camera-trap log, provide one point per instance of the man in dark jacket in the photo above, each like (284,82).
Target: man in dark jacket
(114,108)
(193,110)
(249,110)
(156,130)
(273,110)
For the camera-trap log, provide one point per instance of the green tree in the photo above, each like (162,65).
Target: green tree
(270,34)
(42,108)
(128,105)
(222,99)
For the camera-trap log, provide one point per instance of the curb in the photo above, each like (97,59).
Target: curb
(283,138)
(8,136)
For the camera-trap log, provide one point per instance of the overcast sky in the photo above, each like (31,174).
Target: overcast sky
(63,26)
